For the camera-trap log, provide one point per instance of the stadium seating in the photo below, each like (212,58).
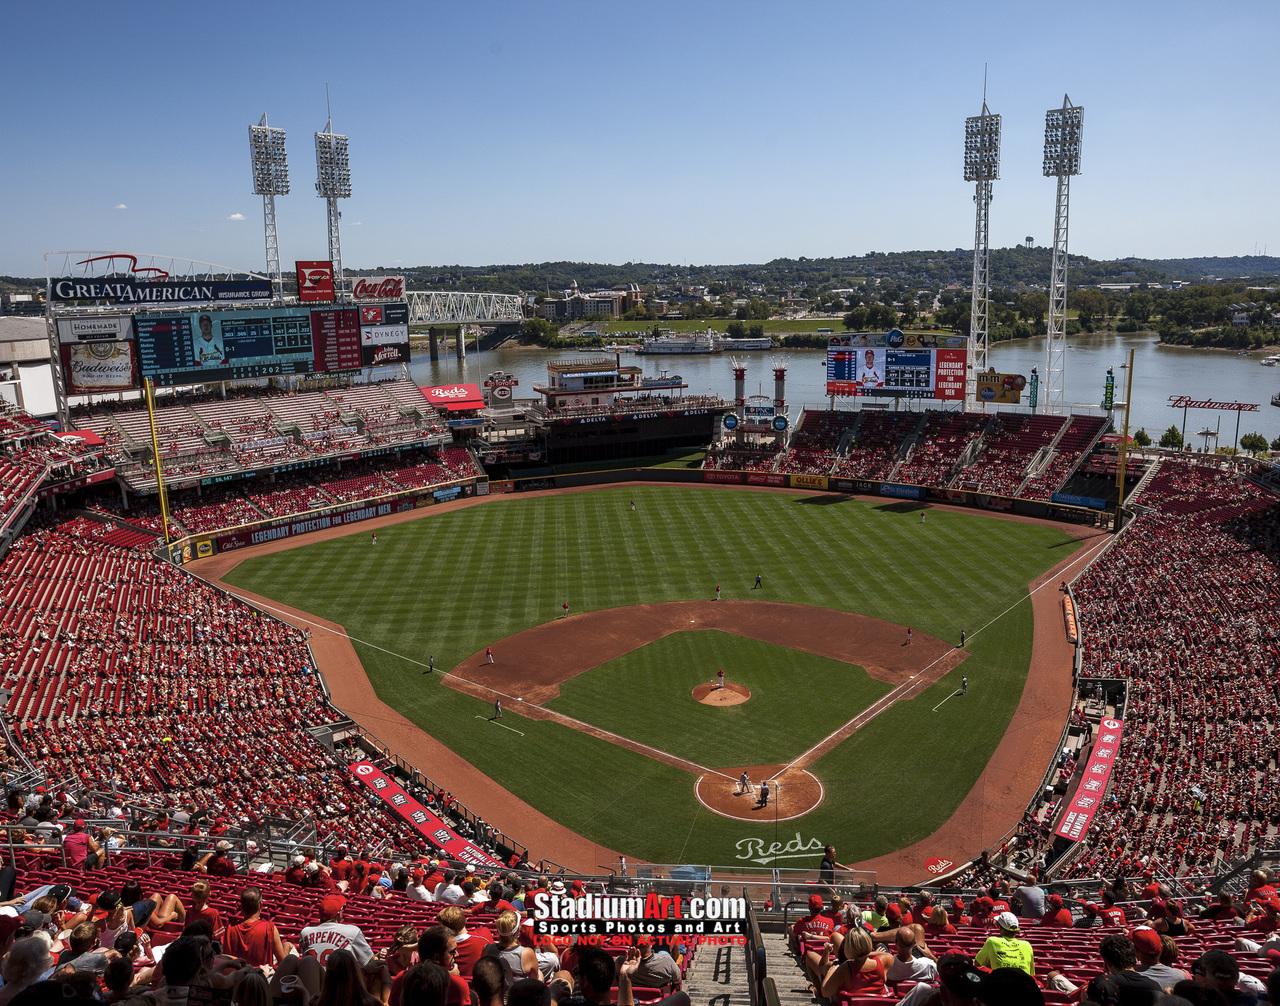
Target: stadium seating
(878,438)
(1010,446)
(945,438)
(1186,606)
(1078,438)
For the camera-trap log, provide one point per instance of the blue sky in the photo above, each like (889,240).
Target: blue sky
(611,131)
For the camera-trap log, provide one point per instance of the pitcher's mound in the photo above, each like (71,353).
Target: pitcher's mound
(730,695)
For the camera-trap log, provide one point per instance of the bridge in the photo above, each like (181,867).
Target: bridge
(441,308)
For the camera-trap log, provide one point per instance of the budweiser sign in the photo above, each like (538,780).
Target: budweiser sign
(1186,402)
(378,288)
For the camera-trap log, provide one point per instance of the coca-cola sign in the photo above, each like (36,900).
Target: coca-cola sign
(378,288)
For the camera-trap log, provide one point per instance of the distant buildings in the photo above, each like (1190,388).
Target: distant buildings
(573,305)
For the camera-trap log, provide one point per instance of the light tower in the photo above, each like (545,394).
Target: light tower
(1063,128)
(270,179)
(333,182)
(981,165)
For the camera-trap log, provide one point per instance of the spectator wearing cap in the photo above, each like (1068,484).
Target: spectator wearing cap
(1148,946)
(1006,949)
(955,913)
(1219,970)
(809,939)
(982,913)
(1058,916)
(1120,983)
(450,891)
(877,916)
(331,933)
(1110,913)
(319,879)
(417,889)
(81,850)
(296,874)
(218,863)
(657,969)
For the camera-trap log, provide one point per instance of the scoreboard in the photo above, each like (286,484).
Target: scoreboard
(874,366)
(204,346)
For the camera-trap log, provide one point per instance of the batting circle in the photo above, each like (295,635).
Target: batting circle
(794,792)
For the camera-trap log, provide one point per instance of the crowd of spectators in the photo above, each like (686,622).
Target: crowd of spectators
(1186,607)
(1009,448)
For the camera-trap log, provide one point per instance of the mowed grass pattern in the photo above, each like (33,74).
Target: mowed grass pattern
(452,583)
(780,722)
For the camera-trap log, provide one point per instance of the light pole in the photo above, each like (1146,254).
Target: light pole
(981,166)
(333,182)
(1063,128)
(270,179)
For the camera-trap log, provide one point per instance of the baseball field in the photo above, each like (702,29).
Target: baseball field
(601,730)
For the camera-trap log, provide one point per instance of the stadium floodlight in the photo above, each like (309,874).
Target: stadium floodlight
(333,182)
(982,147)
(270,179)
(1063,129)
(981,165)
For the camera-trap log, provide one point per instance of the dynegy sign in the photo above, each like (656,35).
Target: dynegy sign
(133,291)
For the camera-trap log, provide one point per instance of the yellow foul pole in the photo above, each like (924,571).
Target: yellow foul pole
(1124,440)
(155,457)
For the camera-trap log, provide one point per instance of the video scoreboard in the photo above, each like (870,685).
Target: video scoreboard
(894,365)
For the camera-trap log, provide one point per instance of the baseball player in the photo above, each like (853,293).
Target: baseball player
(374,541)
(431,664)
(964,685)
(717,591)
(566,610)
(764,794)
(633,506)
(497,709)
(758,582)
(488,652)
(744,783)
(908,635)
(720,678)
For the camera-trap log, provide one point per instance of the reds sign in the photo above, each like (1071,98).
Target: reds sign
(378,288)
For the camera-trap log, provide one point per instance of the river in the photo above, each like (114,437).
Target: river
(1159,372)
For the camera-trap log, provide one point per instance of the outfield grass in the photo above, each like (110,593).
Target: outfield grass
(779,723)
(449,584)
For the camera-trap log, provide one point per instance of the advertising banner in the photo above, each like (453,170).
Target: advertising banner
(1001,389)
(715,475)
(426,823)
(454,396)
(315,282)
(378,288)
(766,479)
(808,481)
(1093,785)
(900,490)
(1092,502)
(114,328)
(242,539)
(168,291)
(384,334)
(92,367)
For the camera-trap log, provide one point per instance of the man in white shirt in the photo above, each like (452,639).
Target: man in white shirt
(906,966)
(332,934)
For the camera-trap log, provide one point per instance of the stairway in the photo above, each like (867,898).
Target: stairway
(718,977)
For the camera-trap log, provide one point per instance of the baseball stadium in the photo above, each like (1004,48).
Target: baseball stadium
(358,644)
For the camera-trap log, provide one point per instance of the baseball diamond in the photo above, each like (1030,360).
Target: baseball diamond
(828,592)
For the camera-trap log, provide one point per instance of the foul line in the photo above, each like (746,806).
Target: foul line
(490,719)
(871,712)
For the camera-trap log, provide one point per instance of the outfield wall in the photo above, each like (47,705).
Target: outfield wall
(819,483)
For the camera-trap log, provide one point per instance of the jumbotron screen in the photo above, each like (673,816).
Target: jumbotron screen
(894,365)
(203,346)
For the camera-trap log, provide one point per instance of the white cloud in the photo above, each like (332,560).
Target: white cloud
(121,206)
(236,216)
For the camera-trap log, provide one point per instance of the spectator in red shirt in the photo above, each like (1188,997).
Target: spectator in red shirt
(82,851)
(218,863)
(296,874)
(469,945)
(254,939)
(809,935)
(199,909)
(1260,888)
(340,866)
(938,924)
(1225,910)
(1058,916)
(1111,913)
